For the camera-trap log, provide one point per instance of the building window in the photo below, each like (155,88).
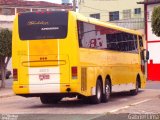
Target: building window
(113,15)
(137,11)
(127,14)
(43,10)
(21,10)
(97,16)
(7,11)
(35,10)
(51,9)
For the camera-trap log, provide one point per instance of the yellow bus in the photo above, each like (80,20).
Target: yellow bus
(64,54)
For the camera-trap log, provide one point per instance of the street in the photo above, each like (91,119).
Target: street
(92,47)
(117,104)
(147,101)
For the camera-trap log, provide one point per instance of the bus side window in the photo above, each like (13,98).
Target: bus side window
(140,41)
(135,42)
(80,32)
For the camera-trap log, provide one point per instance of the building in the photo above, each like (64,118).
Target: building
(133,14)
(9,8)
(153,42)
(125,13)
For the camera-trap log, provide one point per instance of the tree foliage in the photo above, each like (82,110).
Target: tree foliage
(156,21)
(5,51)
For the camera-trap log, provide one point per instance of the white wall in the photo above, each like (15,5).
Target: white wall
(151,35)
(153,47)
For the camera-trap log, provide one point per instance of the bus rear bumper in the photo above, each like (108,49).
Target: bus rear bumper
(46,89)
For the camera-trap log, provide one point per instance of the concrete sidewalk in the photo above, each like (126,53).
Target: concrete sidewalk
(7,92)
(153,84)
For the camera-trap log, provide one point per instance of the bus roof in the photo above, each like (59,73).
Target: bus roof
(104,24)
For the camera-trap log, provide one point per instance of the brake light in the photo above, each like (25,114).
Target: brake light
(74,72)
(15,74)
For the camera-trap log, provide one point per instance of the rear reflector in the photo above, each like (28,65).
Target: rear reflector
(67,85)
(74,72)
(15,74)
(21,86)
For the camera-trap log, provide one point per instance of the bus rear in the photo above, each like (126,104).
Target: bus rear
(45,59)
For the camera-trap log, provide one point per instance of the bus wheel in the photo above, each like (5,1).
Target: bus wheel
(107,91)
(49,99)
(135,91)
(98,97)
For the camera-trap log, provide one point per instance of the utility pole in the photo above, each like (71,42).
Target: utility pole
(74,5)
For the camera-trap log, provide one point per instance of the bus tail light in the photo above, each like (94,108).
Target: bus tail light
(74,72)
(15,74)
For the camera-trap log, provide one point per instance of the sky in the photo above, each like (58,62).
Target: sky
(54,1)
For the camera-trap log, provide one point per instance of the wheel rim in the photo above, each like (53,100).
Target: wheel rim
(107,91)
(98,92)
(137,86)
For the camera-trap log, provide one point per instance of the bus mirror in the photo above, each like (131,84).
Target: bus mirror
(147,55)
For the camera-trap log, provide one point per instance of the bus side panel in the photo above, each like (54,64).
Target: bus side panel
(95,66)
(143,81)
(122,68)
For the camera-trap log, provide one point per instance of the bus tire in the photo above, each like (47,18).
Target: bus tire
(107,91)
(80,97)
(135,91)
(49,99)
(98,97)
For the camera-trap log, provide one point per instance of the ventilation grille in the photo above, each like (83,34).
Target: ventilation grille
(83,79)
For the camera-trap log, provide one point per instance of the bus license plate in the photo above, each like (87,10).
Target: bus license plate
(44,77)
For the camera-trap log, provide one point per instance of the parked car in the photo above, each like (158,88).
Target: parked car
(8,73)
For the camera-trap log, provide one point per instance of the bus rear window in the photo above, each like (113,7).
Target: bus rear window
(43,25)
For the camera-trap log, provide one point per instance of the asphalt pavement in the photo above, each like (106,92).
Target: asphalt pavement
(7,91)
(120,106)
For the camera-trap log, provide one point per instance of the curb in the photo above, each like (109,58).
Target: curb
(6,96)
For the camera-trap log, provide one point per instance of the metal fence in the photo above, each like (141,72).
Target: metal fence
(134,23)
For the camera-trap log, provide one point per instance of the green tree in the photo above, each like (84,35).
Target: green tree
(156,21)
(5,52)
